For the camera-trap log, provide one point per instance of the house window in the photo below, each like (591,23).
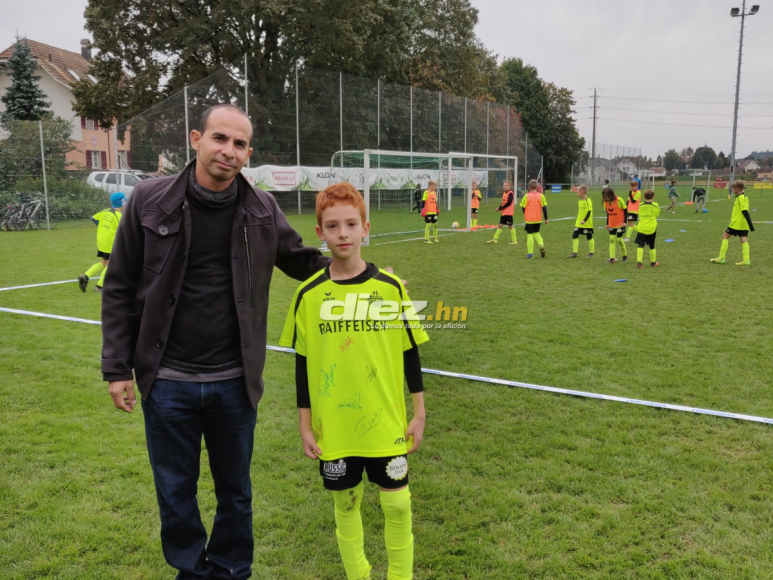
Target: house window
(96,159)
(123,160)
(89,124)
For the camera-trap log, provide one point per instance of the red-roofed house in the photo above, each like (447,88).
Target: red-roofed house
(59,69)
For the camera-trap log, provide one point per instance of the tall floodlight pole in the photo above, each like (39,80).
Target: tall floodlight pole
(743,14)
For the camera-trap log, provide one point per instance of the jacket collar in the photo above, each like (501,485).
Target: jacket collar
(172,199)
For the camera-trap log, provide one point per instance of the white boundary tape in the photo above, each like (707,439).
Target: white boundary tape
(584,394)
(37,285)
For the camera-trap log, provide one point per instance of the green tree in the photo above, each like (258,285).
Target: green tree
(23,100)
(721,161)
(671,160)
(706,157)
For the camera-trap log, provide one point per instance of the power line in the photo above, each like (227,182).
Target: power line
(686,93)
(683,124)
(682,102)
(680,112)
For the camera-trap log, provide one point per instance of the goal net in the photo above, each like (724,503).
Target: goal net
(393,182)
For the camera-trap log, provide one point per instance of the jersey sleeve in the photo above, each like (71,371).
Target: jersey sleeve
(523,201)
(744,205)
(657,209)
(424,196)
(294,331)
(543,201)
(413,333)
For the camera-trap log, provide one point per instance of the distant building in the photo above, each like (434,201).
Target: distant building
(765,174)
(59,69)
(627,166)
(602,169)
(658,171)
(747,166)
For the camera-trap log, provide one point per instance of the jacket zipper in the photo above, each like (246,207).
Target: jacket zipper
(249,263)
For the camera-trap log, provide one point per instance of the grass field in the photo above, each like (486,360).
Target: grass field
(509,483)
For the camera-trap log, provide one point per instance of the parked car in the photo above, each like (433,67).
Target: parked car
(107,180)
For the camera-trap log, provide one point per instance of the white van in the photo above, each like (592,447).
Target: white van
(106,180)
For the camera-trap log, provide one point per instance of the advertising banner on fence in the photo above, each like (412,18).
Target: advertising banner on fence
(280,178)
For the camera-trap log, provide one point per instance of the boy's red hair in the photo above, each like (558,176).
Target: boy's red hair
(340,193)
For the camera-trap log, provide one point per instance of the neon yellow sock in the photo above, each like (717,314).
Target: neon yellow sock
(349,532)
(612,248)
(538,237)
(653,255)
(512,235)
(745,250)
(630,232)
(639,254)
(397,533)
(723,249)
(622,247)
(592,246)
(497,233)
(434,227)
(95,270)
(530,243)
(102,279)
(474,222)
(426,231)
(575,244)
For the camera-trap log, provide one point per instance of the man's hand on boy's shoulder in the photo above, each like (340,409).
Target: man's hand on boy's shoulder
(405,282)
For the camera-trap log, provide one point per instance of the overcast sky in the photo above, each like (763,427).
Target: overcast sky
(648,50)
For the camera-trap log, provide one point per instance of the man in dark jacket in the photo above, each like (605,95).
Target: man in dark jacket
(184,312)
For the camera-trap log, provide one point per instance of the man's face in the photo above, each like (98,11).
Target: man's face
(342,229)
(224,148)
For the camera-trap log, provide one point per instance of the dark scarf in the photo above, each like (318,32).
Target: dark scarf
(207,198)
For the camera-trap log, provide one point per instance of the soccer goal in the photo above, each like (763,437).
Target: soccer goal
(393,182)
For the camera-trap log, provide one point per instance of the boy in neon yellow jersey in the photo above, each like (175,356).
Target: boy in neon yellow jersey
(107,225)
(535,208)
(351,356)
(648,225)
(583,225)
(740,225)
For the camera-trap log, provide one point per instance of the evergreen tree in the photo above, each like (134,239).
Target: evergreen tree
(23,100)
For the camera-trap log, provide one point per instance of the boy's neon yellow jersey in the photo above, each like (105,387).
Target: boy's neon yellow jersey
(737,219)
(355,364)
(648,217)
(583,207)
(107,222)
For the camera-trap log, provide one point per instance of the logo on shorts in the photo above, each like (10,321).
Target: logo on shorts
(334,468)
(397,469)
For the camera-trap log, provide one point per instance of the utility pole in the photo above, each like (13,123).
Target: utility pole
(734,13)
(593,142)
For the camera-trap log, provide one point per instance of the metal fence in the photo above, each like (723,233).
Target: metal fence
(611,162)
(301,118)
(40,184)
(305,117)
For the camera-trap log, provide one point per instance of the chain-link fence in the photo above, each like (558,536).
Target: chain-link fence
(303,118)
(53,171)
(42,184)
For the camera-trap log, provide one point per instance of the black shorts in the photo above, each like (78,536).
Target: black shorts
(646,240)
(587,232)
(739,233)
(103,255)
(505,220)
(619,232)
(474,210)
(346,473)
(533,228)
(633,217)
(431,218)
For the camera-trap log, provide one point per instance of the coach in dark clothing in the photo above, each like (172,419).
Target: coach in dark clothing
(184,312)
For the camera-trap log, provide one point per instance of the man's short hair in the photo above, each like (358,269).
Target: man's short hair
(338,194)
(208,112)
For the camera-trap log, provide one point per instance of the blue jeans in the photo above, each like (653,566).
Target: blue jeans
(177,414)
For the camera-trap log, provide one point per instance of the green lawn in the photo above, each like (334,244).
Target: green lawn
(509,483)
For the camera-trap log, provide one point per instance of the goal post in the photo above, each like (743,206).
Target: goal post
(391,183)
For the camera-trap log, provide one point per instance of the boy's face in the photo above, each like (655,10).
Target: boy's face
(581,193)
(738,191)
(506,186)
(343,230)
(634,185)
(432,186)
